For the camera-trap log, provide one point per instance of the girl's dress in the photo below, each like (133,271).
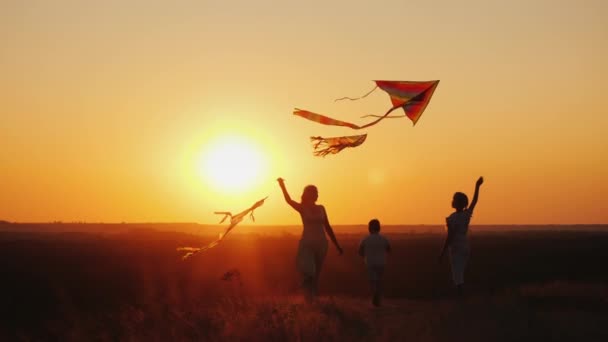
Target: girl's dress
(458,226)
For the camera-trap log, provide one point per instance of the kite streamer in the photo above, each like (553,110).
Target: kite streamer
(234,220)
(324,146)
(412,97)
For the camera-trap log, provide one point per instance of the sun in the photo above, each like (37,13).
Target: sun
(232,164)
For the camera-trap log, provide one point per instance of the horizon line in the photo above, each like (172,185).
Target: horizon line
(289,225)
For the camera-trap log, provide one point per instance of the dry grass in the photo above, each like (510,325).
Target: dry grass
(515,315)
(136,288)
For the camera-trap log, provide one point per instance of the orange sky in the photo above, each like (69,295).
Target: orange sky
(105,107)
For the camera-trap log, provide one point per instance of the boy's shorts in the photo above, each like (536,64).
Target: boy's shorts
(375,272)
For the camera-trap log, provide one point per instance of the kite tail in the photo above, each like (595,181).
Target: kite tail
(234,220)
(324,146)
(225,213)
(356,98)
(188,255)
(191,251)
(255,206)
(195,250)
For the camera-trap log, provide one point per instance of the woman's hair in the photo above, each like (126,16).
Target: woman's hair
(460,201)
(310,194)
(374,226)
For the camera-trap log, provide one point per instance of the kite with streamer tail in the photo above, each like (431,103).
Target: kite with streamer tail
(234,220)
(413,97)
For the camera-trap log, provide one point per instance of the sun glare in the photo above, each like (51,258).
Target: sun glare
(232,164)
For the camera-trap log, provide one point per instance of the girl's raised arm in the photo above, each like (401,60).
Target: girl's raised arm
(476,195)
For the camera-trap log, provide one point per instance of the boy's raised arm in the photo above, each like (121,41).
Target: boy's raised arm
(476,195)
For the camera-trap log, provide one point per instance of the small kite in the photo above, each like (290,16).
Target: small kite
(234,220)
(412,97)
(325,146)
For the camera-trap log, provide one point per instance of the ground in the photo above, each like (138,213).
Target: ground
(521,286)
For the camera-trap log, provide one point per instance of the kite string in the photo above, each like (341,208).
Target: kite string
(356,98)
(386,117)
(380,118)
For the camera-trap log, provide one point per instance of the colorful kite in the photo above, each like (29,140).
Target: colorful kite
(412,97)
(234,220)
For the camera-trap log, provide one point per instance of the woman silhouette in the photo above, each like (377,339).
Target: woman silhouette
(313,243)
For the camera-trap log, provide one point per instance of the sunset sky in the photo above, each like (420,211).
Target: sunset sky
(115,110)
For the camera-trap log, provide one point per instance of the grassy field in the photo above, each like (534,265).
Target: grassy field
(133,285)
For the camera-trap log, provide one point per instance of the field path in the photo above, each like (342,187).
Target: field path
(504,317)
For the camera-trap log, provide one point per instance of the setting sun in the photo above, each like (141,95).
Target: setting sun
(232,164)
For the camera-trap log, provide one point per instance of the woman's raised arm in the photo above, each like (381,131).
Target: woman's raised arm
(295,205)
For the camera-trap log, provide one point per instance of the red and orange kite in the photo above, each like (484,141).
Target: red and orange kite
(412,97)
